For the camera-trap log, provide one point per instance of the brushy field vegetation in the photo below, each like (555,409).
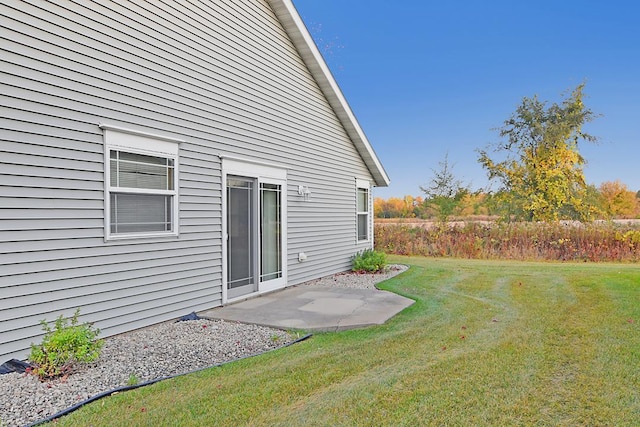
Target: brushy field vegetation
(593,242)
(487,343)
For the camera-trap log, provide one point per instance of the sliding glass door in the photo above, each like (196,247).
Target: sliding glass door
(254,236)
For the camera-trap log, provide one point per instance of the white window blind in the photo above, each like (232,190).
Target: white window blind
(141,188)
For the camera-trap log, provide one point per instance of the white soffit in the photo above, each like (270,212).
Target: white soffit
(297,31)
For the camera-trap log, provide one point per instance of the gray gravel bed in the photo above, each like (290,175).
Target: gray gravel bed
(158,351)
(359,280)
(146,354)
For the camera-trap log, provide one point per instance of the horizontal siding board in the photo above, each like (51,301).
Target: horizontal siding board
(35,275)
(49,214)
(49,145)
(56,175)
(200,229)
(187,214)
(15,247)
(70,283)
(152,243)
(22,239)
(317,223)
(38,239)
(135,286)
(209,165)
(336,233)
(100,253)
(337,209)
(187,172)
(188,222)
(51,224)
(204,208)
(45,118)
(108,300)
(107,260)
(200,192)
(50,131)
(31,159)
(27,148)
(195,184)
(51,203)
(43,181)
(318,252)
(185,200)
(339,215)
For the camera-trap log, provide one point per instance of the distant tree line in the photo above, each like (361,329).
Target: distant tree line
(610,200)
(538,169)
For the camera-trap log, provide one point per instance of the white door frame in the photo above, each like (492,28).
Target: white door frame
(263,173)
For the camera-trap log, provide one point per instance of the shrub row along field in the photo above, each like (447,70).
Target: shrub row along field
(519,241)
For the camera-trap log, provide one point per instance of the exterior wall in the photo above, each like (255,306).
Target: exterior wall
(222,76)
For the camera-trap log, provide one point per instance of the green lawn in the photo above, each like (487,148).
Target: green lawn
(487,343)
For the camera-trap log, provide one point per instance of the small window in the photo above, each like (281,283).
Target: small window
(141,187)
(362,207)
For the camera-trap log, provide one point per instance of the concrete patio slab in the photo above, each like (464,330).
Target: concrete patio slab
(315,308)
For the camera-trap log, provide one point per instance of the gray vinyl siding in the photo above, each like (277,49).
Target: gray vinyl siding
(221,76)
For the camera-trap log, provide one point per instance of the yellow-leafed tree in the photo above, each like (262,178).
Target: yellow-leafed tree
(539,166)
(619,201)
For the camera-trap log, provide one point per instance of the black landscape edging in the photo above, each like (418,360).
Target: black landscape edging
(132,387)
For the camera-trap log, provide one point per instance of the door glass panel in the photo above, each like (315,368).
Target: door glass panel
(270,232)
(241,236)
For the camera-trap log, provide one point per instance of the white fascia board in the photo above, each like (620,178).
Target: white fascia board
(297,31)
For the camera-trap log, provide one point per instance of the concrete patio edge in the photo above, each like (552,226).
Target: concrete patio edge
(315,308)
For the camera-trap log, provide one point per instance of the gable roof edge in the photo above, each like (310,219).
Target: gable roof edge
(302,40)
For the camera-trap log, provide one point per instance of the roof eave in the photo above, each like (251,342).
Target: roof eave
(297,31)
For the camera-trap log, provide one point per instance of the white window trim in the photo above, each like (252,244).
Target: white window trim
(263,173)
(366,185)
(123,139)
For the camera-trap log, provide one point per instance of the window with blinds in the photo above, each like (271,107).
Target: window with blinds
(142,193)
(141,184)
(362,212)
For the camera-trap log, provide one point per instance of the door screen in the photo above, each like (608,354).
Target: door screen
(254,235)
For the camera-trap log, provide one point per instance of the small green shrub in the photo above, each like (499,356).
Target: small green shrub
(369,261)
(64,346)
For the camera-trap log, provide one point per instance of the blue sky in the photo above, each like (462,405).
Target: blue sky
(426,78)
